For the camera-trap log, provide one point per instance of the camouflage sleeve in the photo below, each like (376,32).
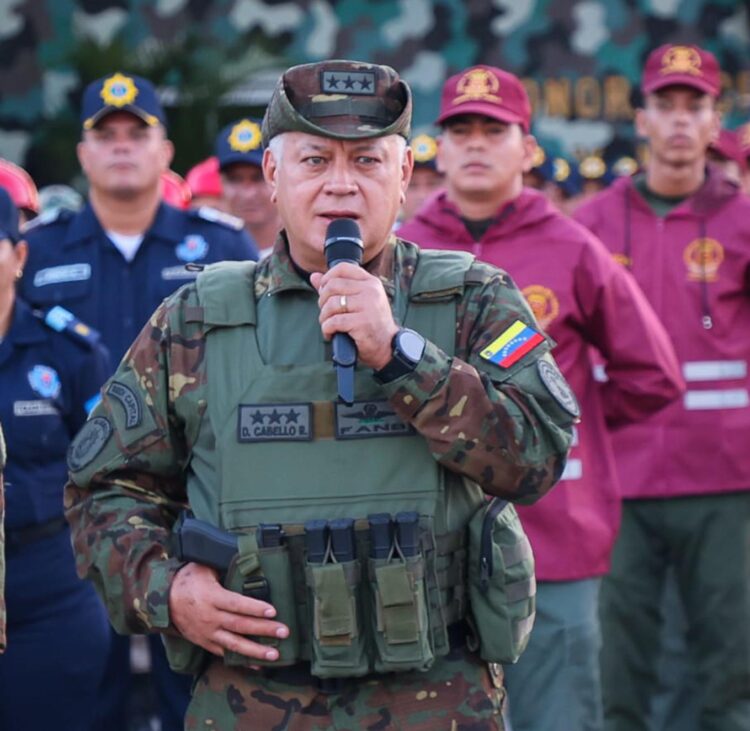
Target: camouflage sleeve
(506,428)
(126,475)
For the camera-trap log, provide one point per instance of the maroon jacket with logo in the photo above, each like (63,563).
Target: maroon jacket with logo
(693,266)
(583,299)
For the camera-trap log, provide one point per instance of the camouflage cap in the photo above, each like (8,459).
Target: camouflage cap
(345,100)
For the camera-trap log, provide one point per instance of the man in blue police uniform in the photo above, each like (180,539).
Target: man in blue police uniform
(51,368)
(245,191)
(112,263)
(126,240)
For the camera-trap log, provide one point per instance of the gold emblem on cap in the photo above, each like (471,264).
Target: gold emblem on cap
(625,166)
(543,302)
(245,136)
(424,148)
(538,157)
(118,90)
(592,167)
(681,60)
(478,85)
(702,258)
(561,169)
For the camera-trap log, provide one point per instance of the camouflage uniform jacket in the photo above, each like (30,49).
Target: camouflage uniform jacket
(504,429)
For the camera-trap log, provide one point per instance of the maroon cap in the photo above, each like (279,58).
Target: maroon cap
(672,65)
(488,91)
(729,147)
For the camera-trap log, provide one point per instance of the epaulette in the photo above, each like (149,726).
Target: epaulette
(481,273)
(56,215)
(216,216)
(63,321)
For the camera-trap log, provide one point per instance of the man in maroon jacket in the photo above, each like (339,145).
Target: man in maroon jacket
(583,299)
(682,229)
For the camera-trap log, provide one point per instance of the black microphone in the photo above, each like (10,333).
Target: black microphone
(344,244)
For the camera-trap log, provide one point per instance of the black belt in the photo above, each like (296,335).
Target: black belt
(299,674)
(18,537)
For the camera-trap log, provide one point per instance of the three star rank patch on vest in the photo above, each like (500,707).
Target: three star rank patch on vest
(274,423)
(512,345)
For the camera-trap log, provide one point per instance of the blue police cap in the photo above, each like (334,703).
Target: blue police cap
(8,218)
(240,141)
(566,176)
(425,148)
(121,93)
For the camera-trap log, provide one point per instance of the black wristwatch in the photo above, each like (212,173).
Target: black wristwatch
(407,347)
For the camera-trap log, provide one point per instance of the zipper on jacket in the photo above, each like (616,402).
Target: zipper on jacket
(627,245)
(486,564)
(707,320)
(706,316)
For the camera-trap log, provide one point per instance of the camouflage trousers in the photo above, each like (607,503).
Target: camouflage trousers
(459,693)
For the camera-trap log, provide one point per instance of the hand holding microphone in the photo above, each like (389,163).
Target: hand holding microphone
(354,308)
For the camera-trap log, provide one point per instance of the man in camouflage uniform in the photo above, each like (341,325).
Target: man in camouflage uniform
(486,419)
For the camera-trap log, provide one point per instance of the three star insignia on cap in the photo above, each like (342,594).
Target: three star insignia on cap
(118,90)
(681,60)
(354,82)
(478,85)
(245,136)
(424,148)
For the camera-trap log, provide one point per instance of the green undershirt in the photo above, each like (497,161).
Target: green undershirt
(661,205)
(477,229)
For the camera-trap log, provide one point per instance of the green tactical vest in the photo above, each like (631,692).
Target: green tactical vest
(285,452)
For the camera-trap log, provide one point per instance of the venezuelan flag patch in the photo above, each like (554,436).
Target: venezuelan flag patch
(512,345)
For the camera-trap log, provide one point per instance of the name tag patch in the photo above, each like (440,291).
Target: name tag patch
(367,419)
(65,273)
(274,423)
(177,272)
(34,408)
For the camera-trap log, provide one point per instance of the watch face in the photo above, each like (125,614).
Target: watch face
(411,344)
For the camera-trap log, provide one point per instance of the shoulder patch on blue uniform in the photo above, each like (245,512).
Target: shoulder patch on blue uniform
(47,217)
(88,443)
(64,321)
(216,216)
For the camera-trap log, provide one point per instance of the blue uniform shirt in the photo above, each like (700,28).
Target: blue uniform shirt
(48,382)
(72,262)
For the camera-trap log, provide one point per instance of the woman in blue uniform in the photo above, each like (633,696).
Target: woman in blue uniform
(51,367)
